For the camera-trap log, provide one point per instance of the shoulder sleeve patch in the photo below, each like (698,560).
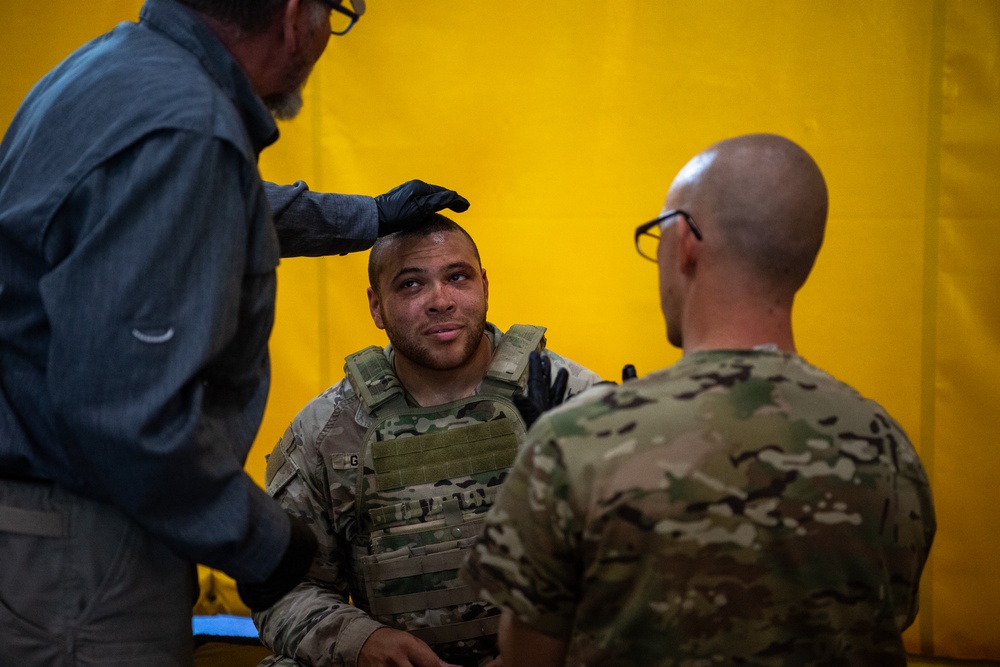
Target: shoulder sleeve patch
(279,470)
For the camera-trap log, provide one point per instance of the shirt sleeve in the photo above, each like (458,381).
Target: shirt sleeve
(580,379)
(316,623)
(527,558)
(159,303)
(314,224)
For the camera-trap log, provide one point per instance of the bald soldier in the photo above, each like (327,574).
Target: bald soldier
(739,507)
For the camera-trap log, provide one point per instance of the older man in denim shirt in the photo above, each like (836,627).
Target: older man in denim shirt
(137,281)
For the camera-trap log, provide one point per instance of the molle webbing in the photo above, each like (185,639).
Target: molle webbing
(418,508)
(385,565)
(447,597)
(410,567)
(482,627)
(444,454)
(427,560)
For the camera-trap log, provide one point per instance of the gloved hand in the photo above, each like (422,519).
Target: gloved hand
(628,373)
(543,394)
(408,204)
(293,567)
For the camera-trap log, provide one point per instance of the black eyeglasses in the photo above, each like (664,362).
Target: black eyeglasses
(347,14)
(647,235)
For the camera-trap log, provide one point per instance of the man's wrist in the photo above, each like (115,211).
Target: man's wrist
(294,565)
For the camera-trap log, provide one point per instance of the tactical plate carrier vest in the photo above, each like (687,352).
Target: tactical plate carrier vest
(428,477)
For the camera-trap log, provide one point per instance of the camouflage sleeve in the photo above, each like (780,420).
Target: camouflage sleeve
(315,623)
(526,560)
(580,377)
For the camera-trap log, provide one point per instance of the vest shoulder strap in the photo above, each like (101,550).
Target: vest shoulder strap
(510,360)
(373,380)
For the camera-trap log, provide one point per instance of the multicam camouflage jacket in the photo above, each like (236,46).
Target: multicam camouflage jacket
(384,511)
(736,508)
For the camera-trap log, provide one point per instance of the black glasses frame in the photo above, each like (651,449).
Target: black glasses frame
(645,229)
(337,7)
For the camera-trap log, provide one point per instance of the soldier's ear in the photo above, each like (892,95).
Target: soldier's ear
(486,286)
(375,307)
(688,249)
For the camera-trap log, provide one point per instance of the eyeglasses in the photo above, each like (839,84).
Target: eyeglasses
(647,235)
(346,14)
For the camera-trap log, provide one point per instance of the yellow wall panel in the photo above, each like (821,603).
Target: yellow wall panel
(564,122)
(37,37)
(965,580)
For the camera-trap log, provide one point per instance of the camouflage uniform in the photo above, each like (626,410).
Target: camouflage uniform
(321,473)
(736,508)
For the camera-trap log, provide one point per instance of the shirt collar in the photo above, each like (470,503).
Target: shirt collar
(182,26)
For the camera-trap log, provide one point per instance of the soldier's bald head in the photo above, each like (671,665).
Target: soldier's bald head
(765,200)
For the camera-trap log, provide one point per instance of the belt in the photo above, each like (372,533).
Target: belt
(38,523)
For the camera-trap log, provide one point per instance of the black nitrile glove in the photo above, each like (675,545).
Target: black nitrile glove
(408,204)
(543,394)
(293,567)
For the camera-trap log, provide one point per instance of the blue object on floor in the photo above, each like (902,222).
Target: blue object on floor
(224,625)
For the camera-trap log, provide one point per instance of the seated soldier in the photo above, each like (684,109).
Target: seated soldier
(395,466)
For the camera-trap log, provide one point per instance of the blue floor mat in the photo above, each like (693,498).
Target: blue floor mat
(224,625)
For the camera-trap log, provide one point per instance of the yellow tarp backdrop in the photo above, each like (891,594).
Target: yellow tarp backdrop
(564,121)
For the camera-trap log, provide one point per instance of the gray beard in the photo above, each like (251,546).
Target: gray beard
(285,106)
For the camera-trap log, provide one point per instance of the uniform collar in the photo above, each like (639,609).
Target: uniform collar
(182,26)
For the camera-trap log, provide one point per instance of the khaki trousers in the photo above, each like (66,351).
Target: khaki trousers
(81,585)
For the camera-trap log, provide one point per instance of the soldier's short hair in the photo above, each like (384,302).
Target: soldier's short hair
(252,16)
(432,224)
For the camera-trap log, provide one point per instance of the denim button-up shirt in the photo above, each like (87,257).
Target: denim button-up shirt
(137,284)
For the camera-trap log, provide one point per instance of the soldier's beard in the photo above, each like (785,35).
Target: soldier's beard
(409,345)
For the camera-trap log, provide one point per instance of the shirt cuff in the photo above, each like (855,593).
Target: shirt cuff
(353,637)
